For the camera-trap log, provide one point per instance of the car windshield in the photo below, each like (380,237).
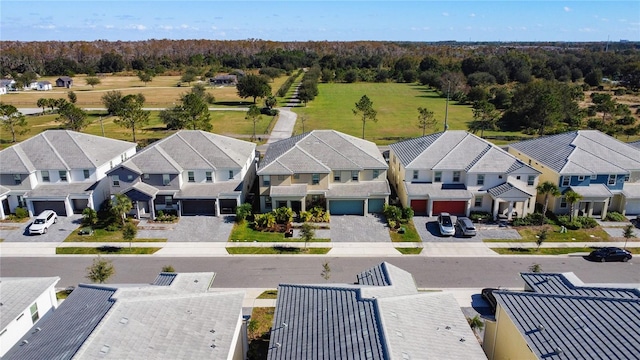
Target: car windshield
(39,221)
(446,221)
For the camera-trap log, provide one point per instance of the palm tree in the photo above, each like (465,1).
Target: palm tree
(476,324)
(628,234)
(547,189)
(572,198)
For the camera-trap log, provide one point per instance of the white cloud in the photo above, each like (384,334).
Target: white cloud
(472,15)
(46,27)
(109,26)
(138,27)
(567,9)
(166,27)
(213,27)
(587,30)
(445,14)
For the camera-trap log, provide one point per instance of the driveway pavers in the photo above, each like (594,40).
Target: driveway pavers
(428,230)
(355,228)
(19,232)
(189,229)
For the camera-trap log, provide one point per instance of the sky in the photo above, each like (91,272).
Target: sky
(302,20)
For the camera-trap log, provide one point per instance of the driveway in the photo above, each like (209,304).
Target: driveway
(189,229)
(428,230)
(19,232)
(355,228)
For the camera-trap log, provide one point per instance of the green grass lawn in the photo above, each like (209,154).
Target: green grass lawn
(275,250)
(395,103)
(410,234)
(104,236)
(550,251)
(106,250)
(244,233)
(528,234)
(258,331)
(269,294)
(409,251)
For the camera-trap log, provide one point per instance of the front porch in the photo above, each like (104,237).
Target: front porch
(595,201)
(510,201)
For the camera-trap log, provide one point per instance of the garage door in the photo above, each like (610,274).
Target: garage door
(79,205)
(346,207)
(452,207)
(419,206)
(633,207)
(376,206)
(228,206)
(198,207)
(57,206)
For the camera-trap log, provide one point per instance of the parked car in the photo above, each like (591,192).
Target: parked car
(446,225)
(610,254)
(42,222)
(466,226)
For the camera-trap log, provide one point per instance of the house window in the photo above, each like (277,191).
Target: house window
(168,200)
(531,180)
(21,202)
(34,313)
(111,164)
(115,180)
(594,177)
(626,178)
(63,175)
(45,176)
(565,180)
(456,176)
(266,180)
(477,201)
(315,179)
(563,202)
(612,180)
(336,176)
(17,179)
(480,179)
(145,176)
(230,174)
(208,176)
(267,202)
(437,176)
(192,176)
(165,179)
(296,176)
(518,177)
(86,173)
(580,177)
(415,174)
(354,175)
(129,177)
(376,173)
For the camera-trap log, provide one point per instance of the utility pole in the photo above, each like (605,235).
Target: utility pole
(446,109)
(102,126)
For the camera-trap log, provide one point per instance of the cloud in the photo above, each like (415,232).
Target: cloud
(46,27)
(138,27)
(567,9)
(166,27)
(472,15)
(109,26)
(587,30)
(445,14)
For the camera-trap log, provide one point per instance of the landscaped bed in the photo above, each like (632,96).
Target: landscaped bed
(245,233)
(276,250)
(410,234)
(106,250)
(104,236)
(529,233)
(259,331)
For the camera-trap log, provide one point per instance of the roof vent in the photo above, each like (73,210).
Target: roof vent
(124,320)
(25,342)
(540,327)
(212,331)
(38,329)
(405,356)
(399,333)
(284,324)
(448,327)
(105,349)
(558,351)
(462,340)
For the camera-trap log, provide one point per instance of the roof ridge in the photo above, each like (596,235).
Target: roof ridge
(179,135)
(478,157)
(23,157)
(332,148)
(437,136)
(344,136)
(566,296)
(53,148)
(451,150)
(169,158)
(70,134)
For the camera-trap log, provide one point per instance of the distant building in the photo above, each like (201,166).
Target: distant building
(43,86)
(224,80)
(64,81)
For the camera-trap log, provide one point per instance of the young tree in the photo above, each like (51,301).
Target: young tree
(112,100)
(12,121)
(100,271)
(72,117)
(73,98)
(547,189)
(426,119)
(253,114)
(307,232)
(572,198)
(484,117)
(628,234)
(326,271)
(541,237)
(120,206)
(475,323)
(89,217)
(131,115)
(129,232)
(145,77)
(270,102)
(254,86)
(92,81)
(196,112)
(243,212)
(42,103)
(364,109)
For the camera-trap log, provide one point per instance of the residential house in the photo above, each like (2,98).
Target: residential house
(604,170)
(8,85)
(32,85)
(175,317)
(43,86)
(59,170)
(458,172)
(224,80)
(64,81)
(381,316)
(23,302)
(3,90)
(191,172)
(559,317)
(342,173)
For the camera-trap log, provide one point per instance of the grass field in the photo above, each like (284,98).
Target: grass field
(410,234)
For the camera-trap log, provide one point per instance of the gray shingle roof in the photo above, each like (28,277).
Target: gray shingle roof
(321,151)
(582,152)
(437,191)
(593,191)
(569,284)
(362,189)
(17,294)
(635,143)
(61,190)
(61,149)
(209,190)
(507,190)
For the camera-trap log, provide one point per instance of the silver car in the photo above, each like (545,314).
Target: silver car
(446,225)
(466,226)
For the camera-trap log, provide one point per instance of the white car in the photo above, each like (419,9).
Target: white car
(42,222)
(446,225)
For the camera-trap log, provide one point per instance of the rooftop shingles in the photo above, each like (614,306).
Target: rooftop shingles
(17,294)
(568,284)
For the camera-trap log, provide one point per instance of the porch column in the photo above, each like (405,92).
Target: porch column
(605,205)
(217,207)
(496,205)
(510,211)
(623,205)
(430,207)
(2,214)
(468,211)
(366,207)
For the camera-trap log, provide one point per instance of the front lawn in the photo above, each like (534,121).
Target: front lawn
(104,236)
(269,294)
(244,233)
(276,250)
(259,332)
(529,233)
(106,250)
(410,234)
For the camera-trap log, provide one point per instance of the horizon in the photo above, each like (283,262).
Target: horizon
(312,21)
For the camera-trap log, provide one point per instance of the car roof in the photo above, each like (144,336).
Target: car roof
(45,213)
(464,219)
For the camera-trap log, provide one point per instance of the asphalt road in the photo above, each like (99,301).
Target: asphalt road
(269,271)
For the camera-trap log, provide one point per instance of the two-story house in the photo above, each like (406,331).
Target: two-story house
(604,170)
(59,170)
(191,172)
(339,172)
(458,172)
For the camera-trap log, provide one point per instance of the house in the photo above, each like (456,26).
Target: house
(559,317)
(43,86)
(191,172)
(175,317)
(23,301)
(604,170)
(458,172)
(339,172)
(31,86)
(64,81)
(223,80)
(8,85)
(59,170)
(381,316)
(3,90)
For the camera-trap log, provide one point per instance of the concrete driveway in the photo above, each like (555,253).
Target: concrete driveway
(19,232)
(429,231)
(189,229)
(355,228)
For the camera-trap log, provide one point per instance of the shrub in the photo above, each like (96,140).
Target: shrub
(264,221)
(392,213)
(477,216)
(89,217)
(166,217)
(305,216)
(113,227)
(319,214)
(407,214)
(22,213)
(283,215)
(529,220)
(615,216)
(168,268)
(243,212)
(587,222)
(269,112)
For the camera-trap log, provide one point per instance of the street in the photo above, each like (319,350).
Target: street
(269,271)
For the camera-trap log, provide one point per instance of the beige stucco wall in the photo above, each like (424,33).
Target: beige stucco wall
(503,341)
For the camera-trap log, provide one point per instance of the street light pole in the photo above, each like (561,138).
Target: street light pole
(446,109)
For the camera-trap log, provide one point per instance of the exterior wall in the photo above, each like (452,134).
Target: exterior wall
(156,180)
(16,329)
(502,340)
(126,178)
(239,342)
(8,181)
